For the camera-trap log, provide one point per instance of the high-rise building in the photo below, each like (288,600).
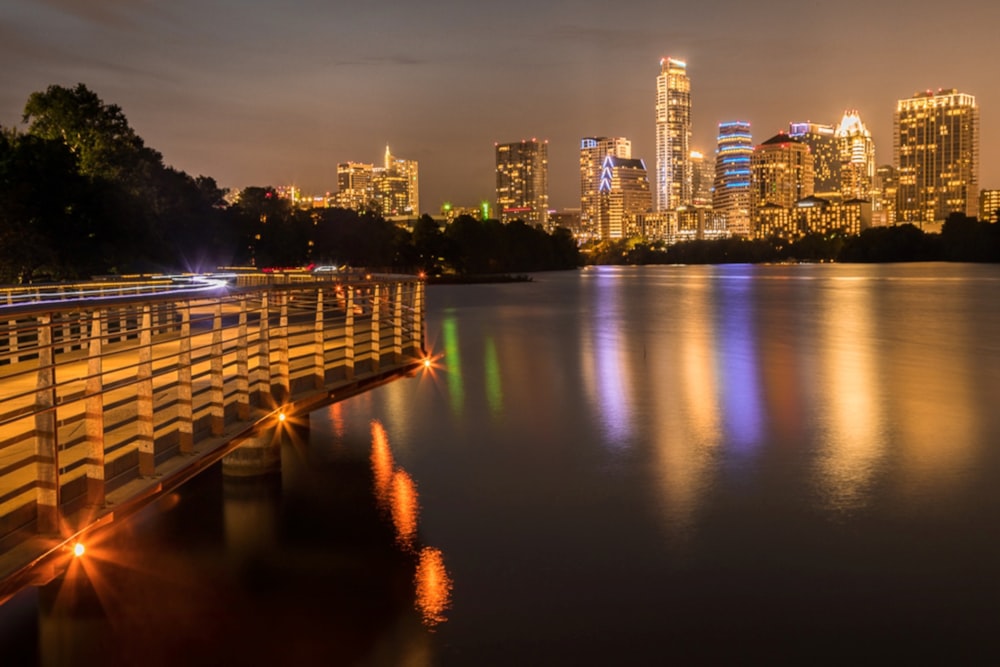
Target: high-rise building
(884,204)
(593,150)
(989,206)
(857,158)
(397,187)
(673,135)
(522,181)
(702,177)
(623,194)
(731,193)
(822,142)
(781,173)
(355,186)
(936,153)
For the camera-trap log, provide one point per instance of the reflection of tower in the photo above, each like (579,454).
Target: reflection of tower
(731,195)
(673,135)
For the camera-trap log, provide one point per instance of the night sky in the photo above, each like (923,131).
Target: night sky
(262,92)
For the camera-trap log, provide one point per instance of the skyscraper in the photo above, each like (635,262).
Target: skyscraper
(593,150)
(623,194)
(936,155)
(355,187)
(702,177)
(857,158)
(781,173)
(822,142)
(522,181)
(731,194)
(673,135)
(397,186)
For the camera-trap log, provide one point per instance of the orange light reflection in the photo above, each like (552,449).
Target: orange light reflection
(433,587)
(405,508)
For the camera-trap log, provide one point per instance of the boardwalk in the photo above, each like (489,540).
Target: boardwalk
(109,403)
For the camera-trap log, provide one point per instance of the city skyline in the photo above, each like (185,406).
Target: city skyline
(267,94)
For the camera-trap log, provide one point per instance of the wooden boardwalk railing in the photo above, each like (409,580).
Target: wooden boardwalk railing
(102,395)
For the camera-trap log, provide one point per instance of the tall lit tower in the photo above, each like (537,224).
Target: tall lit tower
(936,154)
(622,195)
(822,142)
(673,136)
(731,194)
(857,158)
(593,150)
(781,173)
(523,181)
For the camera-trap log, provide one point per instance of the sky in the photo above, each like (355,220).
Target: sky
(269,92)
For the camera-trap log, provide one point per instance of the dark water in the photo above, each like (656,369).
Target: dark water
(642,466)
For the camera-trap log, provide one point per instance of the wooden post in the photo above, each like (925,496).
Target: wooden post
(284,379)
(418,316)
(46,432)
(397,323)
(319,352)
(217,407)
(349,332)
(242,365)
(94,415)
(376,335)
(185,393)
(144,400)
(264,349)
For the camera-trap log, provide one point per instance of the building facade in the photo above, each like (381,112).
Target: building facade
(522,181)
(936,155)
(672,187)
(731,192)
(355,186)
(702,179)
(397,187)
(593,151)
(781,173)
(822,142)
(623,194)
(884,203)
(856,152)
(989,206)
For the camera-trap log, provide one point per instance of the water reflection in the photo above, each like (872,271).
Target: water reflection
(604,360)
(396,491)
(453,361)
(494,386)
(739,376)
(433,587)
(851,400)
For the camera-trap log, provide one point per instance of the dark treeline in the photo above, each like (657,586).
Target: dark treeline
(962,239)
(82,195)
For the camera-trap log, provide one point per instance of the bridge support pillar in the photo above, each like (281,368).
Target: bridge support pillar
(258,454)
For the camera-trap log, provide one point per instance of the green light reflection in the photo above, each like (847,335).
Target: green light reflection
(453,363)
(494,389)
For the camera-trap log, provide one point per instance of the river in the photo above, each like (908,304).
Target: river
(621,465)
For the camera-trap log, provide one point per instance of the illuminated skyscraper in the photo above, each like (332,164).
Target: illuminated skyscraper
(884,204)
(702,177)
(623,194)
(936,153)
(673,135)
(731,194)
(522,181)
(989,206)
(397,186)
(857,158)
(355,186)
(822,142)
(781,173)
(593,150)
